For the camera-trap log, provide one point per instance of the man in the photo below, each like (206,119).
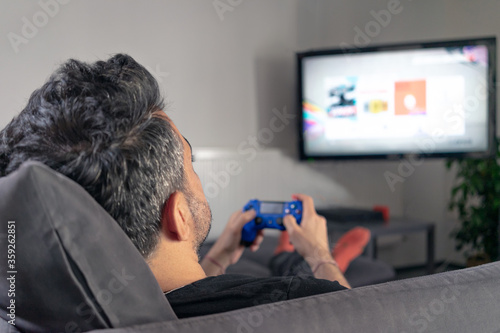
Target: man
(103,125)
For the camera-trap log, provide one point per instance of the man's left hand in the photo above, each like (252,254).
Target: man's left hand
(227,250)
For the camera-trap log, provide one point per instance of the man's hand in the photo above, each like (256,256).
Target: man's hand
(227,250)
(310,239)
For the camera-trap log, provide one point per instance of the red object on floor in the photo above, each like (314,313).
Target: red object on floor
(284,244)
(385,212)
(350,246)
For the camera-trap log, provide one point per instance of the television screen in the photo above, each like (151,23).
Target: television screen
(430,99)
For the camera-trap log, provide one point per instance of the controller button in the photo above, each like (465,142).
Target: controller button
(279,220)
(297,211)
(258,220)
(287,211)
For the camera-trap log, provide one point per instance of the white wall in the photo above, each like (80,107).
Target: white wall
(223,78)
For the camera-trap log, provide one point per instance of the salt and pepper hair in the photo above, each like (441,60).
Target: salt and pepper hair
(96,124)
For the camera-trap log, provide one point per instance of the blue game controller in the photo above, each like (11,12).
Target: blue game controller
(270,214)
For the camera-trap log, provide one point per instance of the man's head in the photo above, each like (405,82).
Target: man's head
(102,125)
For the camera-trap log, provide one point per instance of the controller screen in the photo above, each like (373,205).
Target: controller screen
(271,207)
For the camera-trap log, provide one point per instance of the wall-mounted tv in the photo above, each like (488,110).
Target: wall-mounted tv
(433,99)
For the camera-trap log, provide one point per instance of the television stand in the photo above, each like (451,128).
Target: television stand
(348,215)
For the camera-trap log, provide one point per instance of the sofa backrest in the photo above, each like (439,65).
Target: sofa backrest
(461,301)
(73,268)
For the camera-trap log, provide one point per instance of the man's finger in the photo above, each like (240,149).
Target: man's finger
(234,215)
(307,203)
(290,223)
(245,217)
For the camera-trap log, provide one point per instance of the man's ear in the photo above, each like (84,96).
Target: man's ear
(175,217)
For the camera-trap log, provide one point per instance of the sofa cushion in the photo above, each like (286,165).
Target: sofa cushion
(75,269)
(364,271)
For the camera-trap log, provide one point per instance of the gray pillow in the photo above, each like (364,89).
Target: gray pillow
(75,269)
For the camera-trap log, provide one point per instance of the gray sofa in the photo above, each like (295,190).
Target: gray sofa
(75,270)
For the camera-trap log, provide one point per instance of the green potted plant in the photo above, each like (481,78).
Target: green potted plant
(476,196)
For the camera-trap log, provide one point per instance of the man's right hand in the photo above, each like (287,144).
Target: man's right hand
(310,238)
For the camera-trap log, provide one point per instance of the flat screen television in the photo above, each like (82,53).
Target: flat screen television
(432,99)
